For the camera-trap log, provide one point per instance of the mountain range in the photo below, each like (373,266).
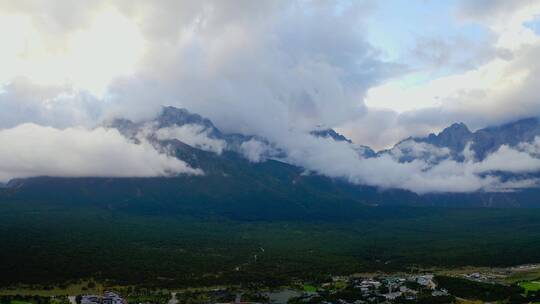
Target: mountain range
(453,139)
(250,177)
(482,142)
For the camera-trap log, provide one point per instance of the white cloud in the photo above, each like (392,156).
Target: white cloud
(194,135)
(254,150)
(509,160)
(340,160)
(39,45)
(412,149)
(59,106)
(32,150)
(533,148)
(505,18)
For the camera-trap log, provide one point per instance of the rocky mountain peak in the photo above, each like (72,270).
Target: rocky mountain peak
(330,133)
(170,116)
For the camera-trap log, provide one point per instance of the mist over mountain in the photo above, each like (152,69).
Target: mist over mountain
(501,158)
(249,176)
(483,142)
(493,159)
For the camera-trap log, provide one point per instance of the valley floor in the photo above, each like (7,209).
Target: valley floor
(457,285)
(56,245)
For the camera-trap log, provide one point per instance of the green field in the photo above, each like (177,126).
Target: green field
(522,276)
(310,288)
(530,286)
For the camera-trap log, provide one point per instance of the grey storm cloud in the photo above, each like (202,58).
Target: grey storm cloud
(290,64)
(248,66)
(254,67)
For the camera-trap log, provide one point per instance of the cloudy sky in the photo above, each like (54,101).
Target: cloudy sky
(377,71)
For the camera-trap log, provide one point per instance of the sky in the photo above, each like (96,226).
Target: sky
(376,71)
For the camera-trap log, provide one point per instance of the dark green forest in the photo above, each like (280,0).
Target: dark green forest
(50,243)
